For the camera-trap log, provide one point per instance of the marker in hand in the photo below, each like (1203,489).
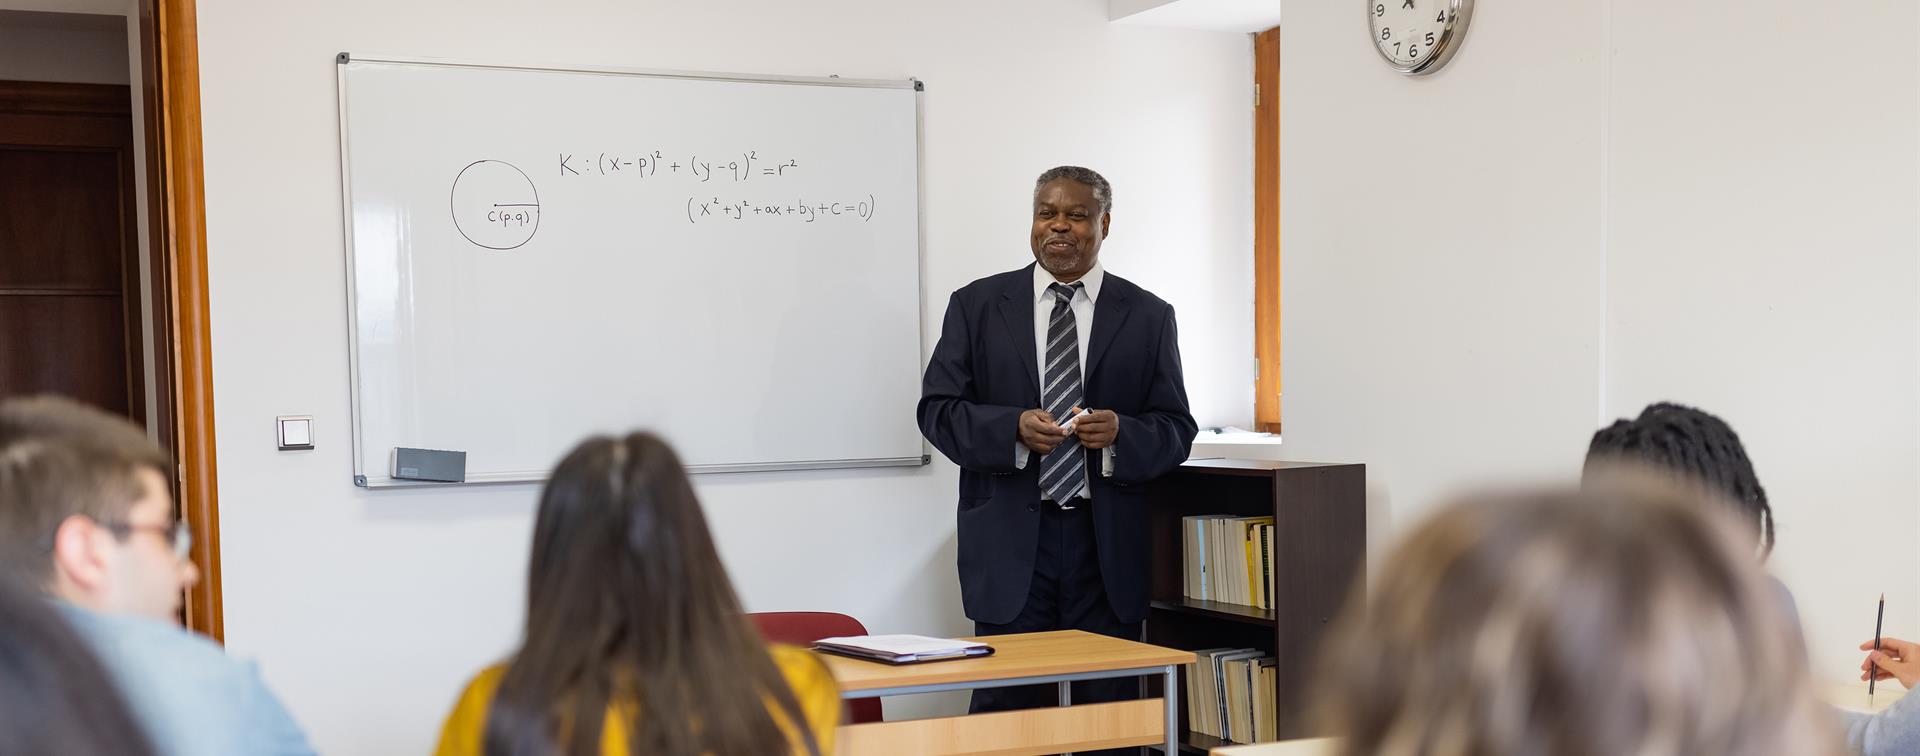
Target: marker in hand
(1075,415)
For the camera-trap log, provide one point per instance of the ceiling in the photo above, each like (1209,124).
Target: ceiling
(1206,15)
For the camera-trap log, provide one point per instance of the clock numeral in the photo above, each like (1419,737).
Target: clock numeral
(1379,10)
(1429,39)
(1396,48)
(1413,52)
(1386,33)
(1442,18)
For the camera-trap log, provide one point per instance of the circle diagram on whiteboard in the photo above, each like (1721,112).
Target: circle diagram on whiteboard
(495,205)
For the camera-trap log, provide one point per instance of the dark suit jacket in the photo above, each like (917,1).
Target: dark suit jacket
(982,376)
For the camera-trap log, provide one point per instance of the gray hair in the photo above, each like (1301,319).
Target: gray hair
(1102,191)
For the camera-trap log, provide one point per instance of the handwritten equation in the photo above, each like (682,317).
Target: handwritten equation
(701,210)
(741,167)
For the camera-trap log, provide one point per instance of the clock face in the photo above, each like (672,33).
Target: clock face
(1417,36)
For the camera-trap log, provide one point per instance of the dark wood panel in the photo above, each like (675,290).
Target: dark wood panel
(71,131)
(71,345)
(65,99)
(60,219)
(1320,531)
(67,220)
(1219,610)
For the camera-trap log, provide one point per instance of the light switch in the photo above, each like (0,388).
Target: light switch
(296,432)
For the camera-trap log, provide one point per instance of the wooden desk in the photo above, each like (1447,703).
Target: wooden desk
(1849,696)
(1061,657)
(1310,747)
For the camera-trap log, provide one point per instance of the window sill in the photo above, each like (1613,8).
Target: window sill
(1235,445)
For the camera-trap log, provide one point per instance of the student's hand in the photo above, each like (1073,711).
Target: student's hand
(1896,659)
(1039,432)
(1097,428)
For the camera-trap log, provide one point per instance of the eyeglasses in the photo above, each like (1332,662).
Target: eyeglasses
(177,535)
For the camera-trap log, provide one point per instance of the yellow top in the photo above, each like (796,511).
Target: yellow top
(464,733)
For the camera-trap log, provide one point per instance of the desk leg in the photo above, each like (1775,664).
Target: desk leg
(1170,693)
(1066,699)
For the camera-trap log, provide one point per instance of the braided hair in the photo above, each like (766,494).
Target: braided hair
(1695,444)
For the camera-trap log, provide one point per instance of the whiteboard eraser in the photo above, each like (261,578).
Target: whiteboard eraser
(429,464)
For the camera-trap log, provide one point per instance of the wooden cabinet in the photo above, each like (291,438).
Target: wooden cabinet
(1319,540)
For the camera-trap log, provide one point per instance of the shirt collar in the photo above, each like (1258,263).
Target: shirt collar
(1042,279)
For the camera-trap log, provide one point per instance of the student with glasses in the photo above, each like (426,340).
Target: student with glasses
(86,515)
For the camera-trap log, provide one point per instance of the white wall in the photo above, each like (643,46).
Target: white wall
(1712,203)
(1441,250)
(1764,250)
(368,610)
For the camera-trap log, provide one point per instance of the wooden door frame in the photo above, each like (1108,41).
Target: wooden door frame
(183,360)
(1266,228)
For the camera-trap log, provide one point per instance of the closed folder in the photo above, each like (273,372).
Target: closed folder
(902,649)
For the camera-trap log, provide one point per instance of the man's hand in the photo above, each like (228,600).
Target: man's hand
(1039,432)
(1097,428)
(1896,659)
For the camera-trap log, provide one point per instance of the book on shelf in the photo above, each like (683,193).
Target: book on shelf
(1252,562)
(1266,707)
(1193,554)
(1200,689)
(1228,559)
(1230,695)
(1239,700)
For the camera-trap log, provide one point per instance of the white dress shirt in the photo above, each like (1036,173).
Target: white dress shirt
(1082,306)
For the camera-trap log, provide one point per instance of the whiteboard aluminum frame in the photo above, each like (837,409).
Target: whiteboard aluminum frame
(360,472)
(659,73)
(502,478)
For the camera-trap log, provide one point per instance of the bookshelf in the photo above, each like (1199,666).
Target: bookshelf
(1319,539)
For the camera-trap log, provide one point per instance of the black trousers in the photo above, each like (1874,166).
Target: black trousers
(1067,594)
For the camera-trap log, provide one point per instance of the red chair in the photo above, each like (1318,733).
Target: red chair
(802,629)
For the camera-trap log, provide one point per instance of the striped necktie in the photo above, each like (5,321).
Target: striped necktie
(1064,470)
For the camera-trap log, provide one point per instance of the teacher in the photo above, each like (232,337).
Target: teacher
(1053,514)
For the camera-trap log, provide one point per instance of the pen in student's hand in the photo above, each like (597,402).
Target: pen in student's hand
(1874,672)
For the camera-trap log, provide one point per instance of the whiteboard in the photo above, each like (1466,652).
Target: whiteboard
(537,254)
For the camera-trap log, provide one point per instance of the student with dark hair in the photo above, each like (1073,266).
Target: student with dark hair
(635,642)
(1699,447)
(1623,617)
(87,516)
(54,696)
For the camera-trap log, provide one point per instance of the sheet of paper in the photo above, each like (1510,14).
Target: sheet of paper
(1852,696)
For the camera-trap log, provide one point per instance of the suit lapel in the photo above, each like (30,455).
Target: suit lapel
(1109,314)
(1016,311)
